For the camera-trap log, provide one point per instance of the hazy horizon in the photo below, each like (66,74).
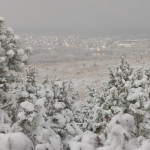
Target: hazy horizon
(107,17)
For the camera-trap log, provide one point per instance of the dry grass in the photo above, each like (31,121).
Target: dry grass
(81,74)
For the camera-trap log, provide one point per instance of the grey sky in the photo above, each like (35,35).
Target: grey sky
(73,16)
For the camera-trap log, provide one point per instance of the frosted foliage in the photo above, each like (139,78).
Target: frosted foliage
(59,108)
(15,57)
(32,119)
(31,78)
(78,146)
(9,31)
(10,53)
(145,145)
(11,140)
(127,91)
(27,106)
(87,140)
(45,113)
(5,122)
(84,115)
(29,50)
(51,144)
(116,136)
(24,106)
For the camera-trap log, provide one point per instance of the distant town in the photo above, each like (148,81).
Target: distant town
(54,48)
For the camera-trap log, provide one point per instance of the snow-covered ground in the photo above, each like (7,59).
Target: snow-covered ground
(81,73)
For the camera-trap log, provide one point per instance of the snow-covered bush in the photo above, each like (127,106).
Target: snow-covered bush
(118,135)
(15,141)
(118,131)
(83,116)
(5,122)
(12,57)
(127,90)
(88,140)
(85,113)
(145,145)
(60,110)
(45,112)
(31,116)
(24,104)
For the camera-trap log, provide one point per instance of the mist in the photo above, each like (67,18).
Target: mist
(77,16)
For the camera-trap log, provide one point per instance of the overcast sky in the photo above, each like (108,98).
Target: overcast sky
(77,16)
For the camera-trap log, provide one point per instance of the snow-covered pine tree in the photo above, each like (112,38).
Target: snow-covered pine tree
(113,94)
(36,109)
(128,90)
(84,114)
(32,118)
(12,57)
(23,108)
(60,110)
(51,109)
(139,101)
(118,132)
(117,136)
